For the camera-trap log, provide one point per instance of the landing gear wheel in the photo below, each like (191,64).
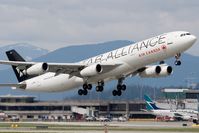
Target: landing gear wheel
(119,87)
(80,92)
(162,62)
(85,92)
(96,88)
(119,92)
(177,57)
(85,86)
(178,63)
(123,87)
(114,92)
(89,86)
(99,88)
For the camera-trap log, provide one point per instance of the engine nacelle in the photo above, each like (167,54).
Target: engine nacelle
(37,69)
(156,71)
(91,70)
(151,71)
(165,71)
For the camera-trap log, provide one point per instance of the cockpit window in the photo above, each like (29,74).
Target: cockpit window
(184,34)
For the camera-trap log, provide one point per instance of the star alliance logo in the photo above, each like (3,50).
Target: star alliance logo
(21,74)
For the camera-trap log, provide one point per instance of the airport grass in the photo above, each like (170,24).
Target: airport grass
(54,127)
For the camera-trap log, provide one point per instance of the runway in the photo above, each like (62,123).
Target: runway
(89,131)
(142,124)
(99,127)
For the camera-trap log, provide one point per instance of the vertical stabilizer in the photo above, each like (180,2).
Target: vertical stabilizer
(14,56)
(150,105)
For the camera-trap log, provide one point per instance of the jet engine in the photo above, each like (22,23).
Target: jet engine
(156,71)
(151,71)
(37,69)
(165,71)
(91,70)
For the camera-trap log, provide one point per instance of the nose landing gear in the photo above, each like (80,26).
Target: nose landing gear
(177,61)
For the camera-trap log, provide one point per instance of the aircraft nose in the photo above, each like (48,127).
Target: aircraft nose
(193,39)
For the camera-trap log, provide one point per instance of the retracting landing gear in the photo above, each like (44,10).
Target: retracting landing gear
(177,61)
(85,89)
(100,86)
(120,87)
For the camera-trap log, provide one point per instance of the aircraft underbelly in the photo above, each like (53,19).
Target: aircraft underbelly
(53,83)
(113,74)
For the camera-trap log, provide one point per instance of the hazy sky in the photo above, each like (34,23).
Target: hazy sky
(52,24)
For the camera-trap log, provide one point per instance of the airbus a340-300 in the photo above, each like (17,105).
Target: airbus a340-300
(131,60)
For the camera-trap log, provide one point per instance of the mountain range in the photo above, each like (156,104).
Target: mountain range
(29,52)
(181,74)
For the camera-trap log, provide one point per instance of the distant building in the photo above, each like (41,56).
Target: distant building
(16,99)
(182,98)
(184,93)
(25,107)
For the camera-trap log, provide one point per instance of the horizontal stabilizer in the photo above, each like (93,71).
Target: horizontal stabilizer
(21,86)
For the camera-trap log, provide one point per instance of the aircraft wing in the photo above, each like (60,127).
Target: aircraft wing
(75,68)
(68,68)
(13,85)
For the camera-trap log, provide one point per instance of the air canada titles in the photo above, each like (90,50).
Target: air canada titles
(130,49)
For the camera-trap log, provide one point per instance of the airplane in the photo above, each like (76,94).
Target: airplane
(128,61)
(179,114)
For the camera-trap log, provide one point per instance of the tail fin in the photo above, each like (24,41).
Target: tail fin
(14,56)
(150,105)
(147,98)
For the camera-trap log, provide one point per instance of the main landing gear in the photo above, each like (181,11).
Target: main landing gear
(120,87)
(85,89)
(177,61)
(100,86)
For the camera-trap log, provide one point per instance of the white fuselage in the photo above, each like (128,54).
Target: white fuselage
(183,114)
(131,57)
(188,113)
(161,112)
